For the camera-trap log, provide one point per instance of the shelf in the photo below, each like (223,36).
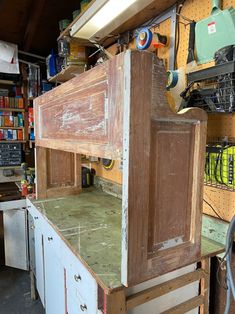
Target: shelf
(67,74)
(12,109)
(66,32)
(12,141)
(11,167)
(7,82)
(11,128)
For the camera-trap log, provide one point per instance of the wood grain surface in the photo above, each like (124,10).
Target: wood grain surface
(162,208)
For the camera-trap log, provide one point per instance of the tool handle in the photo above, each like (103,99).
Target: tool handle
(216,5)
(191,43)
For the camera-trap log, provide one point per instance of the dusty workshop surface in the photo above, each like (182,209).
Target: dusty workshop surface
(91,224)
(210,247)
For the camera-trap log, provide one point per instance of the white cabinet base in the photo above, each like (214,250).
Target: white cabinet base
(15,234)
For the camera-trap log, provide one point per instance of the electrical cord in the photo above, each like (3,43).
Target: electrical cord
(220,267)
(178,33)
(217,214)
(228,255)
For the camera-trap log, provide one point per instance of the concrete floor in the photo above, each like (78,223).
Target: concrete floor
(15,293)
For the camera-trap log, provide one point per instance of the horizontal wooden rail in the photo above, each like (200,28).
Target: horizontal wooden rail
(186,306)
(164,288)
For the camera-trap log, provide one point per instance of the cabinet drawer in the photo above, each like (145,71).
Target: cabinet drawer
(80,284)
(74,306)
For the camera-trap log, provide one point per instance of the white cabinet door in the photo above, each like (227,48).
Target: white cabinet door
(74,307)
(55,291)
(15,234)
(38,222)
(39,259)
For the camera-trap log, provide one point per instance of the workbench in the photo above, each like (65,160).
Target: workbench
(94,238)
(118,110)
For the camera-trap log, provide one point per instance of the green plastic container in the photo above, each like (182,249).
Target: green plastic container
(63,24)
(214,32)
(76,13)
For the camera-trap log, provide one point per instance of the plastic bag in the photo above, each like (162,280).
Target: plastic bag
(9,58)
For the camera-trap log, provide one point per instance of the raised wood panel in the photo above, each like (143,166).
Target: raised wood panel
(162,177)
(169,140)
(85,114)
(79,117)
(58,173)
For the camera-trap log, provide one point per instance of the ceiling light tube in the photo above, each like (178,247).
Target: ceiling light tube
(104,16)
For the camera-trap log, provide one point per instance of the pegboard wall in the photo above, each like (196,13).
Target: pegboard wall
(221,126)
(114,174)
(194,10)
(218,125)
(222,201)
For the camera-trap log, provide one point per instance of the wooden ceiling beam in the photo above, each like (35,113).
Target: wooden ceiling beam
(33,23)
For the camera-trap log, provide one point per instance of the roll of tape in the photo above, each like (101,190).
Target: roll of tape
(144,39)
(172,79)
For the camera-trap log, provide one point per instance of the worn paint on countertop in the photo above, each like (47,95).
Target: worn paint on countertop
(91,223)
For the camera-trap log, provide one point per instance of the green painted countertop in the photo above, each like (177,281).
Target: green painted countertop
(90,223)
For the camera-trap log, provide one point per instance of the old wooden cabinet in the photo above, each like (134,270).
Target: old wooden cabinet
(119,110)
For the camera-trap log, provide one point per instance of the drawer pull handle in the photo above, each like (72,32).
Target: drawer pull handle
(35,217)
(50,238)
(29,206)
(77,278)
(83,307)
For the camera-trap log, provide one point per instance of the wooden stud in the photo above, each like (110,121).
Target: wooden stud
(185,306)
(33,290)
(115,303)
(41,172)
(204,286)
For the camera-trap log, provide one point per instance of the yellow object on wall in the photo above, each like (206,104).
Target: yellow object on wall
(115,174)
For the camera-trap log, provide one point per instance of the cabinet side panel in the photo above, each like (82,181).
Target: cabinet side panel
(165,176)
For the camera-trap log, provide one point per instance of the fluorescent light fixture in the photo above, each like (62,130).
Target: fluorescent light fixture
(104,16)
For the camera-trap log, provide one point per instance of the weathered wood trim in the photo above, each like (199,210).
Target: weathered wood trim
(164,288)
(118,303)
(125,177)
(186,306)
(205,286)
(115,303)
